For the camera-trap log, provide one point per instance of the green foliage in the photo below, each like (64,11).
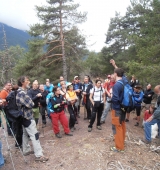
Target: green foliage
(133,41)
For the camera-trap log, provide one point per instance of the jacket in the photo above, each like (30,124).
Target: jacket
(32,94)
(138,97)
(147,99)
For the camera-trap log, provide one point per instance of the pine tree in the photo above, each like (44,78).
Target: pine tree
(58,18)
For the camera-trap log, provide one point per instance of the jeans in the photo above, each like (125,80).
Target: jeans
(147,128)
(96,110)
(106,110)
(1,156)
(31,130)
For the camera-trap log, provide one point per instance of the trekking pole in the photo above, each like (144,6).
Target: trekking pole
(13,135)
(7,144)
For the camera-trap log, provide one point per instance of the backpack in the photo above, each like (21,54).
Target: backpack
(128,100)
(12,108)
(98,91)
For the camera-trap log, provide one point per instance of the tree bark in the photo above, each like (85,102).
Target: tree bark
(63,49)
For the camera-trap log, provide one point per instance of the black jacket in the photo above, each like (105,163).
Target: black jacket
(43,99)
(32,94)
(58,100)
(147,99)
(90,86)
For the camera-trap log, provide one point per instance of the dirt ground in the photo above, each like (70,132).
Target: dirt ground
(88,150)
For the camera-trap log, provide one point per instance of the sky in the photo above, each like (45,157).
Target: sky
(21,14)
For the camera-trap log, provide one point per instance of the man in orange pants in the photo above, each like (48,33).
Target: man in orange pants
(118,115)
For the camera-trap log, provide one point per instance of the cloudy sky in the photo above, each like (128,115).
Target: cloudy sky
(21,13)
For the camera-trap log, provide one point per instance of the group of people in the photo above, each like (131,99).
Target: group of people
(98,99)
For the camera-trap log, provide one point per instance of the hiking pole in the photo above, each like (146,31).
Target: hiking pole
(7,144)
(13,136)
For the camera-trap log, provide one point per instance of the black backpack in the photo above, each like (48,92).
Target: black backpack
(12,108)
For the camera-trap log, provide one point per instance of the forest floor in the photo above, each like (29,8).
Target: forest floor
(88,150)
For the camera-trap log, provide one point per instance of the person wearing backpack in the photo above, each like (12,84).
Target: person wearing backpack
(58,114)
(12,109)
(97,98)
(118,114)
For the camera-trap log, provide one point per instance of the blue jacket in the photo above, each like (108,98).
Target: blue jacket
(48,102)
(138,98)
(49,89)
(117,96)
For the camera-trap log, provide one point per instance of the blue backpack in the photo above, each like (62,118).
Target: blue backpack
(128,99)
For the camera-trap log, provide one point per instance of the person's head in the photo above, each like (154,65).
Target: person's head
(7,85)
(148,87)
(86,79)
(61,78)
(35,85)
(109,77)
(15,87)
(47,83)
(47,80)
(76,79)
(69,86)
(41,87)
(98,83)
(23,82)
(137,88)
(133,77)
(112,79)
(157,90)
(63,84)
(56,90)
(118,72)
(151,108)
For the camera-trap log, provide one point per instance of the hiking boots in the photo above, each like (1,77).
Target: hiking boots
(114,149)
(146,141)
(28,153)
(68,134)
(102,122)
(99,127)
(89,129)
(137,124)
(58,135)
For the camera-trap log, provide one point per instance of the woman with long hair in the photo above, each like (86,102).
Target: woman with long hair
(58,103)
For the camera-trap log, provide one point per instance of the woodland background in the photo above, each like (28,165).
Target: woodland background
(56,46)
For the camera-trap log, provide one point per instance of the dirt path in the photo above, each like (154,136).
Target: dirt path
(87,150)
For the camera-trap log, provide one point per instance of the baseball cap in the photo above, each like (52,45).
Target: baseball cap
(75,77)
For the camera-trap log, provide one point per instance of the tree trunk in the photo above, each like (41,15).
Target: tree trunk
(63,49)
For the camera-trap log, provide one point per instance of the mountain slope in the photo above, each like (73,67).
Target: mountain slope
(14,36)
